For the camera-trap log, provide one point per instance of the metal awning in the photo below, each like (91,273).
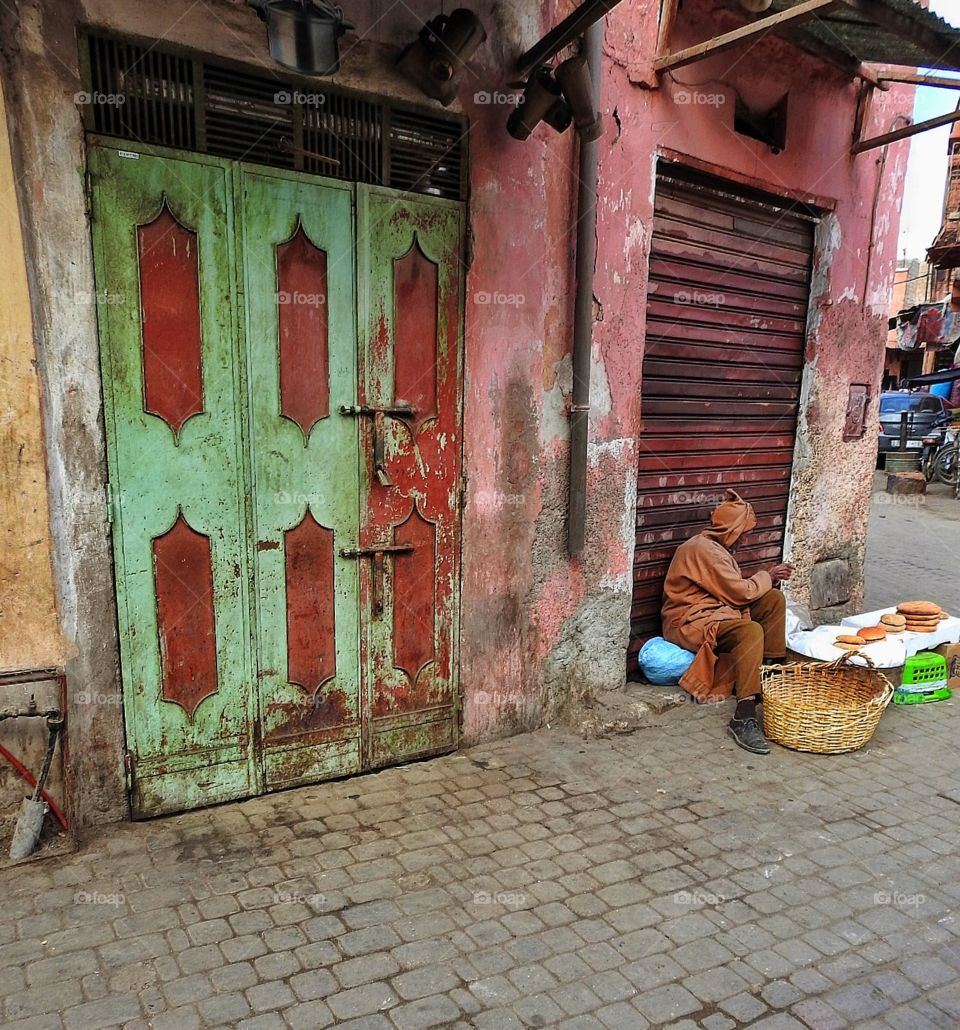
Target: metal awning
(945,253)
(893,32)
(948,375)
(849,34)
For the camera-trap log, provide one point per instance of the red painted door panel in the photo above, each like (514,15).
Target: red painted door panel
(410,280)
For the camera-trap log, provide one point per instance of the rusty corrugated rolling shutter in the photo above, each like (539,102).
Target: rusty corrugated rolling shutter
(726,324)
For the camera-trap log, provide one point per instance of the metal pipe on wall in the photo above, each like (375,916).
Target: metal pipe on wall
(583,307)
(578,23)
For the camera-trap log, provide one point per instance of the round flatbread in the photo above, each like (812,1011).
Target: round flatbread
(918,608)
(920,629)
(848,647)
(893,619)
(873,633)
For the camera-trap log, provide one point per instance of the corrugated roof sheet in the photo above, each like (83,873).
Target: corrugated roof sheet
(898,32)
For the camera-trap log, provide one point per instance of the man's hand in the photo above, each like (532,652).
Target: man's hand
(781,572)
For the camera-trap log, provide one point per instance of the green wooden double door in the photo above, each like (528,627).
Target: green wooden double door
(281,361)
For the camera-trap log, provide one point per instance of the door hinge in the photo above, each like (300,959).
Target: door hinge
(463,490)
(88,194)
(108,490)
(128,771)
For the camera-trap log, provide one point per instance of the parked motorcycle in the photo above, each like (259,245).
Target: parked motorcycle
(932,443)
(941,450)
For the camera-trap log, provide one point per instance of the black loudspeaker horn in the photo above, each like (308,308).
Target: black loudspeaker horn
(542,101)
(435,60)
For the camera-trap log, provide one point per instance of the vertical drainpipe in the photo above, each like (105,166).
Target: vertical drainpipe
(583,308)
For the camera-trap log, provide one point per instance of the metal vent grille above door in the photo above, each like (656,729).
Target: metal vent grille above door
(177,98)
(723,359)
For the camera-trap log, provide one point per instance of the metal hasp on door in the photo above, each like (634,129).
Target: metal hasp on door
(726,325)
(410,290)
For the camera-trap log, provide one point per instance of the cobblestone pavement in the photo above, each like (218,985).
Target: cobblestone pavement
(662,878)
(915,541)
(657,879)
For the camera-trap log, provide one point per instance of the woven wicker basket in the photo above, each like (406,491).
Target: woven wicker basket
(826,708)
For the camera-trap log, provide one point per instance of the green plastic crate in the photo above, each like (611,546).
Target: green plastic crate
(924,680)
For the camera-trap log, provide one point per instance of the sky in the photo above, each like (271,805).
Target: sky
(922,209)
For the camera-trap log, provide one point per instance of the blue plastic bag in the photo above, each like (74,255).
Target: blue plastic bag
(663,663)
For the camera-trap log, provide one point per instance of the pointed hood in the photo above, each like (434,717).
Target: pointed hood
(730,520)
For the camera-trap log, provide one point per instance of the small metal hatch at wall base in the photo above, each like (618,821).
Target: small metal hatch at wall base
(180,98)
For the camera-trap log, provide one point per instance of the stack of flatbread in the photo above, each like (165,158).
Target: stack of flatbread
(921,616)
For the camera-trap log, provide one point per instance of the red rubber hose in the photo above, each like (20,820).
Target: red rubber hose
(25,773)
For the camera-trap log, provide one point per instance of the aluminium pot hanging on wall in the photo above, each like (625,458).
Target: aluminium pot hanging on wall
(303,34)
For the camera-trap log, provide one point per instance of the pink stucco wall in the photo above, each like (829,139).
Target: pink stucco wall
(536,626)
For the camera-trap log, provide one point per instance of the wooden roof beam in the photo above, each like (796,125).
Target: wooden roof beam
(906,132)
(888,75)
(794,16)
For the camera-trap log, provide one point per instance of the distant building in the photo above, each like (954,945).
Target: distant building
(911,287)
(945,252)
(925,302)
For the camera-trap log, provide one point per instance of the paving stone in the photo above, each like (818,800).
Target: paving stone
(575,999)
(362,1001)
(610,986)
(538,1010)
(102,1013)
(858,1001)
(927,971)
(743,1007)
(224,1009)
(819,1015)
(420,983)
(667,1003)
(187,989)
(621,1017)
(436,1010)
(266,996)
(186,1017)
(715,985)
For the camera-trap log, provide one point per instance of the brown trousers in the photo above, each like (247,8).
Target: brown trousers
(748,643)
